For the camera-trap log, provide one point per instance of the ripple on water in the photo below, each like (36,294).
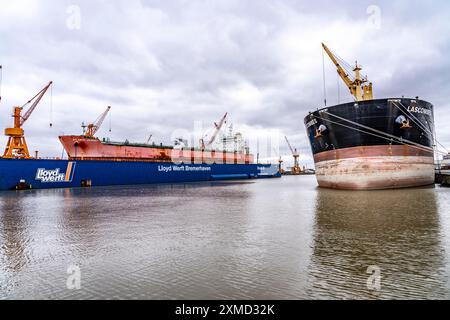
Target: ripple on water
(271,239)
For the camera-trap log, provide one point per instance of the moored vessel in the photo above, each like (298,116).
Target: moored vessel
(372,143)
(87,148)
(94,162)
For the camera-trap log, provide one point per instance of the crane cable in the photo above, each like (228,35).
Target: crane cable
(324,81)
(1,80)
(51,106)
(413,117)
(338,88)
(432,133)
(400,140)
(344,65)
(347,67)
(419,123)
(380,133)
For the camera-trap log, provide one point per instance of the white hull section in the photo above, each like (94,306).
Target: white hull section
(371,173)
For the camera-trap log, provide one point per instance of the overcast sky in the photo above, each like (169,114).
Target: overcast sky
(162,65)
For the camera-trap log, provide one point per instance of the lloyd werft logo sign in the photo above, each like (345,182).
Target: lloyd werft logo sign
(55,175)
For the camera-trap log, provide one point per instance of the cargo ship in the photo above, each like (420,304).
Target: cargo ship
(94,162)
(371,143)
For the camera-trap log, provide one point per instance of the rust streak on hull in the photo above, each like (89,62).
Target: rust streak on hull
(375,167)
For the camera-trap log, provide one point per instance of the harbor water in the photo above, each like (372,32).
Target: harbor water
(267,239)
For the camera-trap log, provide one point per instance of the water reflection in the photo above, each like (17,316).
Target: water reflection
(398,231)
(273,239)
(15,239)
(14,235)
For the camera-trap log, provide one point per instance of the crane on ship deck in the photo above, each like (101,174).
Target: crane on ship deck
(17,145)
(92,128)
(217,128)
(296,168)
(359,86)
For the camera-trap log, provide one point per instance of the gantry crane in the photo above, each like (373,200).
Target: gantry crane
(17,146)
(357,85)
(217,128)
(280,161)
(92,128)
(296,168)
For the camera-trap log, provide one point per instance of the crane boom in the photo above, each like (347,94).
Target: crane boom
(218,127)
(289,144)
(94,127)
(296,168)
(37,98)
(17,145)
(357,88)
(345,77)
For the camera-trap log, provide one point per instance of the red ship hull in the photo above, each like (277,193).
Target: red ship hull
(80,147)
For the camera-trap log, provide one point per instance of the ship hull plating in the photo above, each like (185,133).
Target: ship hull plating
(350,156)
(49,174)
(82,148)
(374,169)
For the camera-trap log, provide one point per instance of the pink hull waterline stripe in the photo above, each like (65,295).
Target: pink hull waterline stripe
(372,151)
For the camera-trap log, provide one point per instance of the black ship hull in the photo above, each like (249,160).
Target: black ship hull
(375,144)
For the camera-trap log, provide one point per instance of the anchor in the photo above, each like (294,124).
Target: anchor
(406,125)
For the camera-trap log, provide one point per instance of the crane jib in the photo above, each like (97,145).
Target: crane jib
(356,84)
(37,98)
(17,146)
